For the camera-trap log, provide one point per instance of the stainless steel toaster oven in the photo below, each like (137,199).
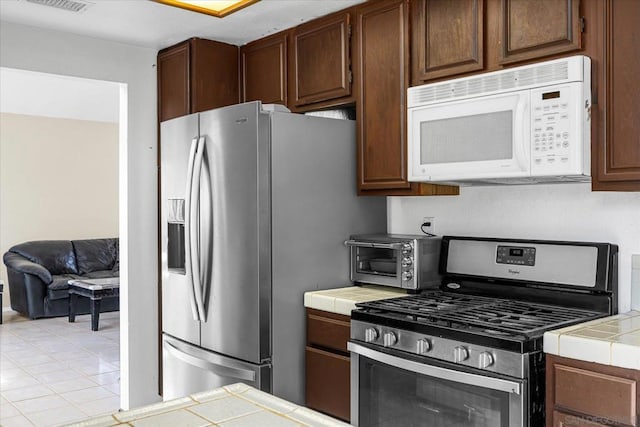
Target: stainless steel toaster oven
(398,260)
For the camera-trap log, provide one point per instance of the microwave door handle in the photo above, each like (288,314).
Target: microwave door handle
(521,149)
(393,246)
(188,225)
(436,371)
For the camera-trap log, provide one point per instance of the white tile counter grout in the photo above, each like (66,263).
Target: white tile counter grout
(613,340)
(343,300)
(236,405)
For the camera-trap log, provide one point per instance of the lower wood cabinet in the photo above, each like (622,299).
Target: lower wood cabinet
(589,394)
(328,363)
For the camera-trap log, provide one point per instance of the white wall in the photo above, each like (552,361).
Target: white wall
(35,49)
(555,212)
(55,183)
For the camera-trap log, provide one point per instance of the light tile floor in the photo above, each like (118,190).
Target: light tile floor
(53,372)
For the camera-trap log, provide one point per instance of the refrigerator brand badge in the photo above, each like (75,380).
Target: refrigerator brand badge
(242,120)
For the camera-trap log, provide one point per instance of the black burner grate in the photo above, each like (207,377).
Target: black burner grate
(491,316)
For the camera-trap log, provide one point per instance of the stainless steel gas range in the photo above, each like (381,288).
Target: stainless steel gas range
(470,353)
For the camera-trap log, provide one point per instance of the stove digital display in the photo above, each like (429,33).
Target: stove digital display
(516,255)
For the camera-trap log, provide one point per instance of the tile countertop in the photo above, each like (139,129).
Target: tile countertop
(613,340)
(236,405)
(343,300)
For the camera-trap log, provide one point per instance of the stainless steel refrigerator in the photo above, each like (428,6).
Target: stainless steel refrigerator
(256,204)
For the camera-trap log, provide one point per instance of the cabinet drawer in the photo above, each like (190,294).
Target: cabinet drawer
(603,396)
(327,387)
(328,330)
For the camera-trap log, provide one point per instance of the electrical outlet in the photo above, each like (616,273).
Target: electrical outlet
(431,228)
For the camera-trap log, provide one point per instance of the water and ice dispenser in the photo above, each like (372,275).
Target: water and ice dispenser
(175,234)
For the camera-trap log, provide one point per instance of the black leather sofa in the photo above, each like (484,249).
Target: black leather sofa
(39,271)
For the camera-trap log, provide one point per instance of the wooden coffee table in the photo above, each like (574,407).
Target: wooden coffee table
(95,290)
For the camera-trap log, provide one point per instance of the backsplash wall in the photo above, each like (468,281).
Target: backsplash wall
(553,212)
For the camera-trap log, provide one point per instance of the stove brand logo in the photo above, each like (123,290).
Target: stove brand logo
(513,271)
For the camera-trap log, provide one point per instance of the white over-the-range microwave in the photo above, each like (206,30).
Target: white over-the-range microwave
(521,125)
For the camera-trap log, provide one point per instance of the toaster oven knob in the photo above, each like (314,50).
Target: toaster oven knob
(407,261)
(370,334)
(407,275)
(486,360)
(460,354)
(390,339)
(407,248)
(423,346)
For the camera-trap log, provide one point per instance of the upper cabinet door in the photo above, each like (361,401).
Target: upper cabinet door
(214,75)
(320,60)
(534,29)
(381,68)
(382,72)
(616,158)
(174,98)
(196,75)
(446,38)
(264,70)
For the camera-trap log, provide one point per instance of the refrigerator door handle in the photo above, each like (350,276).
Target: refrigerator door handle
(225,371)
(194,238)
(206,239)
(188,226)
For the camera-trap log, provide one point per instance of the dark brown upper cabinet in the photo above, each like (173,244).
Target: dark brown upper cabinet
(615,56)
(174,96)
(264,70)
(381,69)
(446,38)
(196,75)
(534,29)
(320,60)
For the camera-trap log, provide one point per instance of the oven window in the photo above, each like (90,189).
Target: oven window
(390,396)
(378,261)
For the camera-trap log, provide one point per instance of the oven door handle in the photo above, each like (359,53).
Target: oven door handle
(436,371)
(394,246)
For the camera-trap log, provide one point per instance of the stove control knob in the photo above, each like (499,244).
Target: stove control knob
(407,261)
(407,275)
(460,354)
(486,360)
(371,334)
(390,339)
(407,248)
(423,346)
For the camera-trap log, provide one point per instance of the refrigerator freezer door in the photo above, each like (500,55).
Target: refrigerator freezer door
(239,290)
(177,293)
(189,369)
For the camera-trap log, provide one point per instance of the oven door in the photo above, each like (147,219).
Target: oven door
(387,390)
(378,263)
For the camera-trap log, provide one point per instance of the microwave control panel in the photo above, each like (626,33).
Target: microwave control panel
(556,133)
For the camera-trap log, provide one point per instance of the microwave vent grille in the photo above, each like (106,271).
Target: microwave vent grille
(501,81)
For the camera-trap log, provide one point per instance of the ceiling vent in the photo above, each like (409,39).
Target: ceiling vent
(68,5)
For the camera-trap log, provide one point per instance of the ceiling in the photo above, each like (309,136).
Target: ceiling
(154,25)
